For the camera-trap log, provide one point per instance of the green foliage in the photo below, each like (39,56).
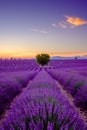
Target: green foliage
(43,59)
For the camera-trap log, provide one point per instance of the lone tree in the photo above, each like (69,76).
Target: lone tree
(43,59)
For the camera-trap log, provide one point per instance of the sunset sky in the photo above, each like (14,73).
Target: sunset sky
(29,27)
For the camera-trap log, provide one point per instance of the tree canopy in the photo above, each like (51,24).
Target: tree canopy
(43,59)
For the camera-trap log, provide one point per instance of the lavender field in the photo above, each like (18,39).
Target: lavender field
(52,97)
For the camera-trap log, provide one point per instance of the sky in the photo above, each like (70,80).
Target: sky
(56,27)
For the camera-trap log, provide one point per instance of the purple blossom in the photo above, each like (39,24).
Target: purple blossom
(81,97)
(42,106)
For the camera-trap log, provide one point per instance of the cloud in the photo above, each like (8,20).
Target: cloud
(75,21)
(62,24)
(55,25)
(39,31)
(70,22)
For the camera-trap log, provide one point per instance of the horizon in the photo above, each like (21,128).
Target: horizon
(29,27)
(51,56)
(32,55)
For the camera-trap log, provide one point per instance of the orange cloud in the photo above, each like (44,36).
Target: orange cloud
(75,21)
(70,22)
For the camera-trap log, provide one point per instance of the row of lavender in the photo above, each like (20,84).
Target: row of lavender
(73,66)
(42,106)
(68,63)
(14,76)
(18,65)
(73,79)
(11,84)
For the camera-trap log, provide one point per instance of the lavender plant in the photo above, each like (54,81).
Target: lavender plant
(42,106)
(11,85)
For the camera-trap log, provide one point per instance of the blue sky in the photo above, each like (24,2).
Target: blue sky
(57,27)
